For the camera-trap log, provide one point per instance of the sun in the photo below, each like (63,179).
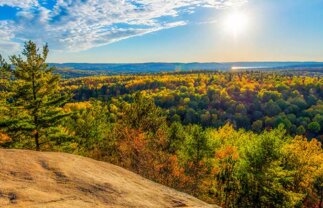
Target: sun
(235,23)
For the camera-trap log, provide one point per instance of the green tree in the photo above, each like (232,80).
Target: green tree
(36,98)
(91,129)
(314,127)
(257,126)
(261,177)
(195,150)
(144,114)
(176,137)
(271,108)
(301,130)
(5,74)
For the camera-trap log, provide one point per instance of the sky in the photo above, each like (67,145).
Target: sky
(136,31)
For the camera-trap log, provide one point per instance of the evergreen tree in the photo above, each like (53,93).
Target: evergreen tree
(35,96)
(5,74)
(4,79)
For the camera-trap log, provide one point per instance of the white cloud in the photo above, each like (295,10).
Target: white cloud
(79,25)
(19,3)
(9,48)
(6,32)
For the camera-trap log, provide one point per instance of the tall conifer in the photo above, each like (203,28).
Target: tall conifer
(36,97)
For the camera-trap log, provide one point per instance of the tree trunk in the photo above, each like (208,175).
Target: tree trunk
(37,141)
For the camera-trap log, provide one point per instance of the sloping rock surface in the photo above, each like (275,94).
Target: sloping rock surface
(47,179)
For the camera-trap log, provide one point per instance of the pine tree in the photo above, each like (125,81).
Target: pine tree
(36,97)
(4,94)
(4,78)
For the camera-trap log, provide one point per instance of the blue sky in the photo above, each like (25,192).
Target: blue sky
(165,30)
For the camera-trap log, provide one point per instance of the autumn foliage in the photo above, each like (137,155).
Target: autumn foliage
(237,139)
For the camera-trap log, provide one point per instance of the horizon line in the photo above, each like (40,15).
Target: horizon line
(194,62)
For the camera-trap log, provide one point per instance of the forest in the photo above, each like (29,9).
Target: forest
(236,139)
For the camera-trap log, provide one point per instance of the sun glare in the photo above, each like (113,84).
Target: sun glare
(235,23)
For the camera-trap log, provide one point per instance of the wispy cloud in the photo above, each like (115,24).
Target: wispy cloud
(19,3)
(77,25)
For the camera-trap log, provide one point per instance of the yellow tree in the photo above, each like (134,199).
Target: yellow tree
(305,159)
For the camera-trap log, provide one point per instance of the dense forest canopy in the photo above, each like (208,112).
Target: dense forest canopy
(237,139)
(252,100)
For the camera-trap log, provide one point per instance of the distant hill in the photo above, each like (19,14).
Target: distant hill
(157,67)
(74,70)
(44,179)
